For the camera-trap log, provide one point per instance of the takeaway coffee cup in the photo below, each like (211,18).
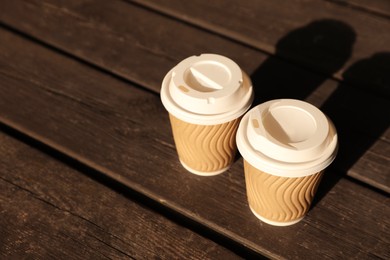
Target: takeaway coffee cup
(286,145)
(206,97)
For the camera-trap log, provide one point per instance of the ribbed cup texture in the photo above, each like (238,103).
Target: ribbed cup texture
(279,199)
(205,148)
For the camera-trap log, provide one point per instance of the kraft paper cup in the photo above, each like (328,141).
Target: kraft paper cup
(286,145)
(206,97)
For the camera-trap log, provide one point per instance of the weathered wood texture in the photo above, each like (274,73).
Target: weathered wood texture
(376,7)
(115,35)
(49,210)
(317,34)
(123,131)
(102,33)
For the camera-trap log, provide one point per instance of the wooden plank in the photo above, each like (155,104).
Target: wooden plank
(50,210)
(126,40)
(99,37)
(317,34)
(376,7)
(123,132)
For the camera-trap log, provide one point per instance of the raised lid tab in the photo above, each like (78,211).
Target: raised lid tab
(208,84)
(289,130)
(287,137)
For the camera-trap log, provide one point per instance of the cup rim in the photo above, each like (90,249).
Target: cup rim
(200,118)
(280,168)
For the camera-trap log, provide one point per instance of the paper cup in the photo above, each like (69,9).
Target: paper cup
(286,145)
(206,96)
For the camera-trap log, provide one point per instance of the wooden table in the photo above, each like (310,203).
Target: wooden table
(88,166)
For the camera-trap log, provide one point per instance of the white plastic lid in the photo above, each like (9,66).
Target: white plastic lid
(208,89)
(288,138)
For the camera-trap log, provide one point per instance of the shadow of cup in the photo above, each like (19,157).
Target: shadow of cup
(360,109)
(360,105)
(323,46)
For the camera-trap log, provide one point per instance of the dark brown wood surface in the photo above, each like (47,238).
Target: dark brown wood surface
(318,34)
(50,210)
(376,7)
(101,23)
(117,129)
(83,78)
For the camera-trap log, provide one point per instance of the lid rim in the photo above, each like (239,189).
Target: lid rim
(204,119)
(283,168)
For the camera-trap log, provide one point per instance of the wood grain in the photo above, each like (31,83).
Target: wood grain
(376,7)
(99,37)
(127,40)
(317,34)
(123,131)
(49,210)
